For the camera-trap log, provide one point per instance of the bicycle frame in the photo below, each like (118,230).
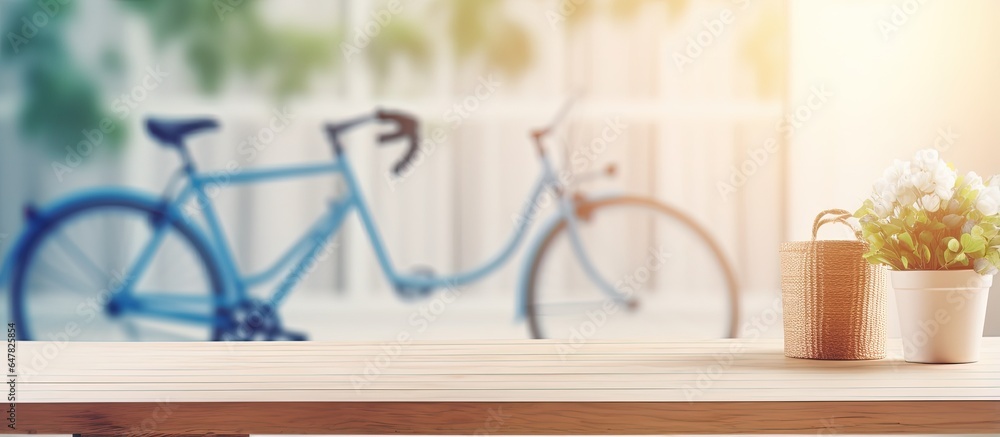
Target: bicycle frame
(303,252)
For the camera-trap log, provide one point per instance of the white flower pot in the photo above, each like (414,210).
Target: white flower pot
(941,314)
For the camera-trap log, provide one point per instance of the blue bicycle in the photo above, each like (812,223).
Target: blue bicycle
(116,264)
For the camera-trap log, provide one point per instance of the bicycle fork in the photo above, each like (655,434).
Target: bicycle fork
(579,249)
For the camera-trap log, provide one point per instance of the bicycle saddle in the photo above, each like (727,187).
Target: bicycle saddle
(172,132)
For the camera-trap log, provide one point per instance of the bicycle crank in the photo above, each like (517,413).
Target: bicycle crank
(410,293)
(254,320)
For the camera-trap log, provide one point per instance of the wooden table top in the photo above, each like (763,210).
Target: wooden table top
(455,387)
(511,371)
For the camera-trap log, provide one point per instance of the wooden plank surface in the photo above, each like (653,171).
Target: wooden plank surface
(491,418)
(454,387)
(515,371)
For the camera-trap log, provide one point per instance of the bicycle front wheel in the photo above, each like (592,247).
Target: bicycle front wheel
(68,284)
(674,276)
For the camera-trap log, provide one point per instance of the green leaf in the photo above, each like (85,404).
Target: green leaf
(884,258)
(906,263)
(953,245)
(891,229)
(876,242)
(925,253)
(906,240)
(972,244)
(896,265)
(871,228)
(949,258)
(927,237)
(866,209)
(993,220)
(977,231)
(962,259)
(994,258)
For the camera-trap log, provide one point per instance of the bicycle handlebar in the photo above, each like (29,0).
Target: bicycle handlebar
(407,127)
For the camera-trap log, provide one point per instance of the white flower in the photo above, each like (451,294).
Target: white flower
(906,195)
(883,186)
(927,175)
(973,180)
(930,203)
(944,180)
(888,195)
(995,181)
(945,192)
(984,267)
(926,179)
(988,202)
(923,181)
(883,208)
(926,159)
(896,171)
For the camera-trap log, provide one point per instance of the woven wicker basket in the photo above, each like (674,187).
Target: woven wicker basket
(833,300)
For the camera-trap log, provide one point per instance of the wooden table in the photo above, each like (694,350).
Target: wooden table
(508,387)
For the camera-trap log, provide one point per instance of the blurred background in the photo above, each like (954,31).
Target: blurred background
(749,115)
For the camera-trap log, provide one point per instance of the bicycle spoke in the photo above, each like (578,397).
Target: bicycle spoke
(123,244)
(73,250)
(632,243)
(189,275)
(57,276)
(176,269)
(148,254)
(116,231)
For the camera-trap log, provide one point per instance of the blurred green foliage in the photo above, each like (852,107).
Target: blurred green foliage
(400,38)
(629,8)
(481,27)
(224,39)
(60,99)
(221,39)
(763,47)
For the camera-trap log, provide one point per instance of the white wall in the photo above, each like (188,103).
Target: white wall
(893,95)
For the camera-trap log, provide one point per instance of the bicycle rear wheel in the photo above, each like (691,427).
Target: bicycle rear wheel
(67,285)
(676,276)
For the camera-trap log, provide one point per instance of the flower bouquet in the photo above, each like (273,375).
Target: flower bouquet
(939,233)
